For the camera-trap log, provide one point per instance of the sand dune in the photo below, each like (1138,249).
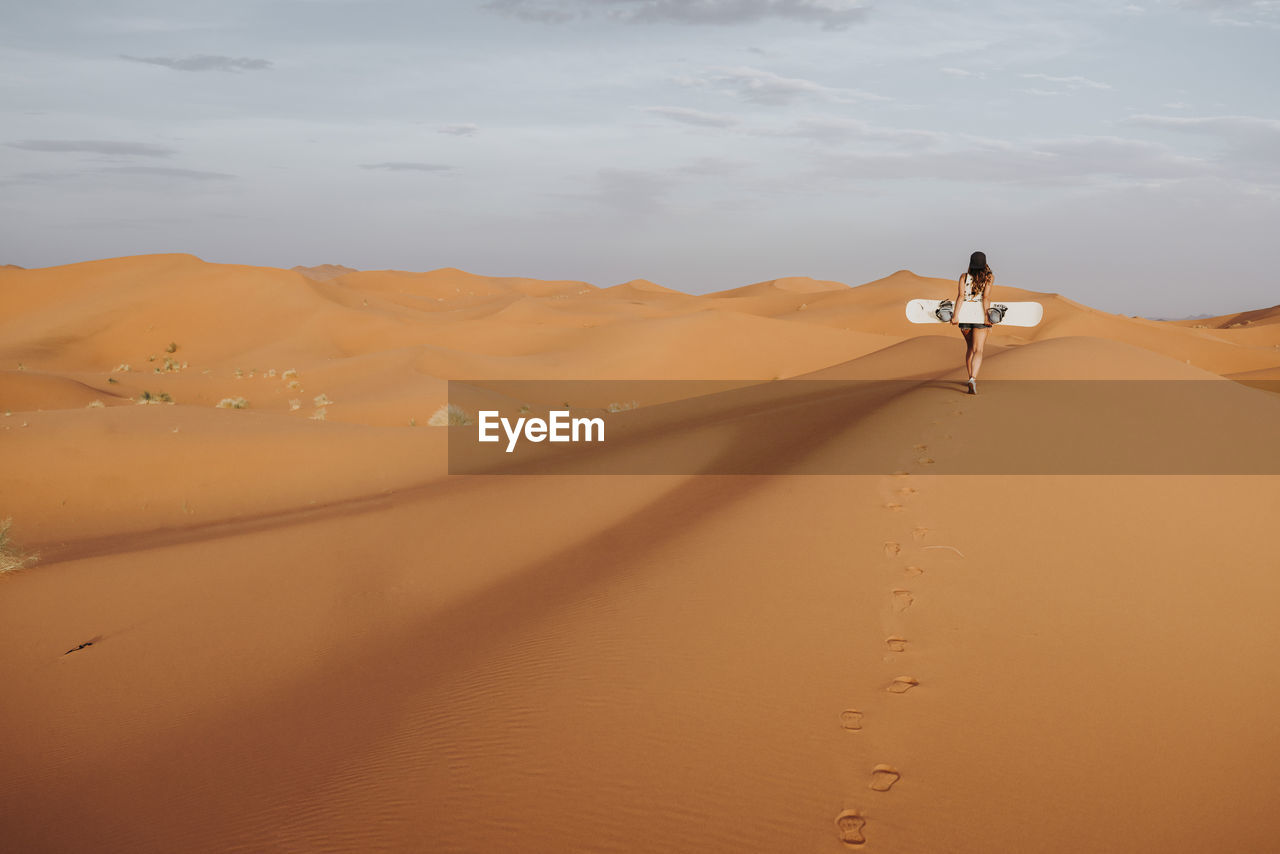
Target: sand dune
(800,607)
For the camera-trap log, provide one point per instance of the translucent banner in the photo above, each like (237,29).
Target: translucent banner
(543,427)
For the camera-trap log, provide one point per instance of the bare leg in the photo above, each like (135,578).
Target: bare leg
(968,350)
(979,338)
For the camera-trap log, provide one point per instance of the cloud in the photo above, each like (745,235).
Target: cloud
(1063,162)
(82,176)
(466,129)
(765,87)
(830,14)
(960,72)
(1251,127)
(1243,13)
(1246,139)
(632,192)
(162,172)
(203,62)
(407,166)
(693,117)
(1073,82)
(839,130)
(37,178)
(94,146)
(542,11)
(712,166)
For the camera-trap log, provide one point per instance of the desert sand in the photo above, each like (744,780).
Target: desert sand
(281,624)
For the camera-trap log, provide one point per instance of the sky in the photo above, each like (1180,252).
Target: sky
(1126,156)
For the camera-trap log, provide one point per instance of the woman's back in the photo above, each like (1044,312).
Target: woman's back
(970,293)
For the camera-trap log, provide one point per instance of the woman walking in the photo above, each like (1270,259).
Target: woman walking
(973,298)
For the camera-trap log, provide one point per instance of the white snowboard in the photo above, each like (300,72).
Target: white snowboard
(1019,313)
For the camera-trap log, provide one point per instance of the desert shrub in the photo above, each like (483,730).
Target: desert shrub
(11,557)
(233,403)
(450,415)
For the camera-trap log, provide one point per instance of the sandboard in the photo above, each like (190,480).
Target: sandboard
(1019,313)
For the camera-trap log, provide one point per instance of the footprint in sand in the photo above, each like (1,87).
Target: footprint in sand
(892,549)
(902,600)
(925,461)
(907,490)
(893,506)
(883,777)
(920,448)
(920,533)
(896,643)
(913,570)
(902,684)
(851,719)
(850,823)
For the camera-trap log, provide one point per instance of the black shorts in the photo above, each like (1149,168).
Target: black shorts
(975,326)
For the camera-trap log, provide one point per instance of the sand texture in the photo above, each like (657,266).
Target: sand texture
(280,624)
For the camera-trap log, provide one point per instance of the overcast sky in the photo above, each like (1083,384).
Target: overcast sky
(1125,156)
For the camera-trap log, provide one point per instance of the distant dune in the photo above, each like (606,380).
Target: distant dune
(324,272)
(264,616)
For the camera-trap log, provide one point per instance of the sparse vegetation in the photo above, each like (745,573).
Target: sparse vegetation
(413,422)
(11,557)
(295,405)
(450,415)
(290,374)
(123,366)
(622,407)
(320,414)
(233,403)
(113,380)
(96,404)
(172,348)
(322,400)
(524,409)
(158,397)
(294,385)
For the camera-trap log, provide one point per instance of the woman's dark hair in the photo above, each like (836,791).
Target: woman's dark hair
(980,272)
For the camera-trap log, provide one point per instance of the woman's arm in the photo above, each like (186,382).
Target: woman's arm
(986,302)
(955,315)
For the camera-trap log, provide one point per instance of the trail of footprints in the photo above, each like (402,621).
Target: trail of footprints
(851,823)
